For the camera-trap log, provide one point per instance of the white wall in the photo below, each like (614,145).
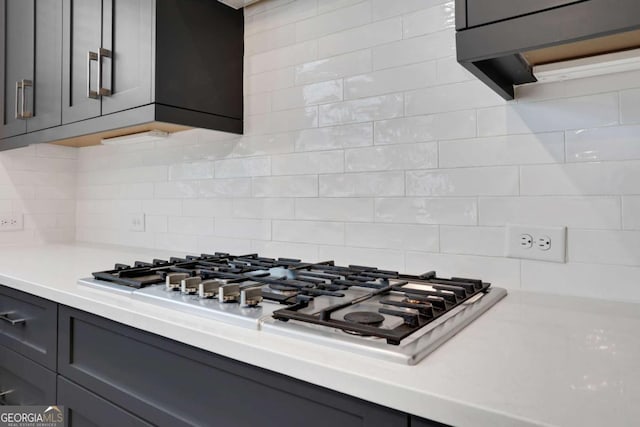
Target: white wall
(39,182)
(365,142)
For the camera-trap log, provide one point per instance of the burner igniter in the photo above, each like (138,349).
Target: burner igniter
(251,297)
(208,288)
(173,281)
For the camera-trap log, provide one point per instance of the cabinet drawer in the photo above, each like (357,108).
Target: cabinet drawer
(85,409)
(168,383)
(28,325)
(24,382)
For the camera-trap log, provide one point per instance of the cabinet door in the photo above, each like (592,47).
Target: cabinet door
(85,409)
(82,34)
(128,34)
(23,382)
(17,52)
(47,84)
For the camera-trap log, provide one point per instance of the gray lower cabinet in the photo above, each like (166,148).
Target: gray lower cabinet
(85,409)
(24,382)
(111,374)
(172,384)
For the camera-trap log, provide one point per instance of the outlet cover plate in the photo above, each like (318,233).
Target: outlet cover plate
(556,252)
(11,222)
(136,222)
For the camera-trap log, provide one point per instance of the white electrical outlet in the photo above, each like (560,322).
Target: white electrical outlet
(136,222)
(536,242)
(11,222)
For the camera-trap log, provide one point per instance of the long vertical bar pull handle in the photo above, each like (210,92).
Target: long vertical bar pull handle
(102,53)
(24,113)
(18,89)
(91,56)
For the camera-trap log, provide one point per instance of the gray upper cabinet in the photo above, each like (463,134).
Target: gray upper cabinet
(17,69)
(107,57)
(47,82)
(77,71)
(30,73)
(127,32)
(82,37)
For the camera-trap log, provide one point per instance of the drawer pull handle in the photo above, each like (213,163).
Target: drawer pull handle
(6,318)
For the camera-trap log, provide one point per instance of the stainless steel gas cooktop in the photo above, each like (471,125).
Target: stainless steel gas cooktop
(367,310)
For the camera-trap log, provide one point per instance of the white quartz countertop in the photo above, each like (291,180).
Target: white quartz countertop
(531,360)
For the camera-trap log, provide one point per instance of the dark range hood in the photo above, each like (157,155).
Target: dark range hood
(500,41)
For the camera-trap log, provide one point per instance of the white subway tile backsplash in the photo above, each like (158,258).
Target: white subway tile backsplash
(385,8)
(270,39)
(259,145)
(277,208)
(318,232)
(332,138)
(339,209)
(252,166)
(190,225)
(631,212)
(270,248)
(334,21)
(503,272)
(487,181)
(581,178)
(454,211)
(208,207)
(590,280)
(417,49)
(487,241)
(280,15)
(366,142)
(360,37)
(334,67)
(453,97)
(579,212)
(503,150)
(604,247)
(382,258)
(243,228)
(391,80)
(286,186)
(429,20)
(630,106)
(232,187)
(258,103)
(282,121)
(308,163)
(391,157)
(459,124)
(268,81)
(609,143)
(570,113)
(362,110)
(404,237)
(312,94)
(450,71)
(373,184)
(194,170)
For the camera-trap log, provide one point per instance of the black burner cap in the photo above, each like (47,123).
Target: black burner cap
(364,318)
